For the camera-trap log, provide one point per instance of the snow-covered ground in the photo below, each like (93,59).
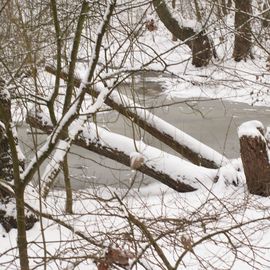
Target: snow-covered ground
(227,228)
(219,226)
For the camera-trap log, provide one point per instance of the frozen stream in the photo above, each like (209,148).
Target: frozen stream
(213,122)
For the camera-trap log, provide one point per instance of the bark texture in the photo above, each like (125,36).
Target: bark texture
(254,154)
(242,23)
(199,43)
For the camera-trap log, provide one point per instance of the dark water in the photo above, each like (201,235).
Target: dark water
(213,122)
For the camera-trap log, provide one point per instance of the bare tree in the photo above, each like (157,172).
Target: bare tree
(94,37)
(22,178)
(198,41)
(243,36)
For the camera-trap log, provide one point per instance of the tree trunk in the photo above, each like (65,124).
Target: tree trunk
(6,171)
(7,165)
(242,42)
(21,227)
(68,188)
(266,14)
(199,43)
(180,183)
(224,7)
(254,154)
(174,38)
(163,131)
(12,213)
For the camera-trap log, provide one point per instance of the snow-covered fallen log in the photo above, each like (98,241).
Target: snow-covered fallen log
(190,148)
(168,169)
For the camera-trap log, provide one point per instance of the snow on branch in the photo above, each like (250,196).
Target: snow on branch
(183,28)
(53,167)
(72,112)
(176,168)
(168,169)
(187,146)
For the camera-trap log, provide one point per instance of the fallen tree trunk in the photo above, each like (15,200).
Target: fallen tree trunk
(170,170)
(255,157)
(190,148)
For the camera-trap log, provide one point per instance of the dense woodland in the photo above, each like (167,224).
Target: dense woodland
(62,64)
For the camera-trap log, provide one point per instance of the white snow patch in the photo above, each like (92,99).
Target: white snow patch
(251,129)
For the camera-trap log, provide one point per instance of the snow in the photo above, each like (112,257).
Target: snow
(227,226)
(173,166)
(188,23)
(20,154)
(251,129)
(9,208)
(242,82)
(91,214)
(99,101)
(159,124)
(230,175)
(4,94)
(53,139)
(54,165)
